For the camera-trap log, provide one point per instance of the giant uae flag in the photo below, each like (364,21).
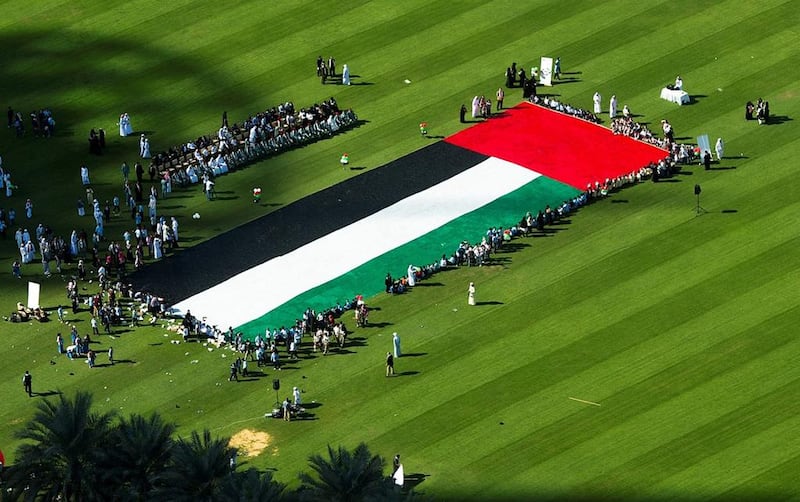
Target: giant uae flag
(341,241)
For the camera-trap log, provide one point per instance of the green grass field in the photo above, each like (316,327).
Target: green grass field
(682,327)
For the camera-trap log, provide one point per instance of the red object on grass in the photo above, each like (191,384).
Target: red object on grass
(557,145)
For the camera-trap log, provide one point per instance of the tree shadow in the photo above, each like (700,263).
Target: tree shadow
(729,211)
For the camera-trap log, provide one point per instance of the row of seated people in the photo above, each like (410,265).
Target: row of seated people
(25,314)
(549,102)
(266,133)
(261,143)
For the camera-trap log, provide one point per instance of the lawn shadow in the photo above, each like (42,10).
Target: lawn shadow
(489,303)
(311,406)
(414,354)
(378,324)
(619,201)
(425,284)
(357,168)
(514,246)
(46,393)
(777,120)
(413,480)
(407,373)
(729,211)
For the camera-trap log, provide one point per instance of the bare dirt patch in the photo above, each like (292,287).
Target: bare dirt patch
(250,443)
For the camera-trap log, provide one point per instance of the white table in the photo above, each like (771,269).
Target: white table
(675,96)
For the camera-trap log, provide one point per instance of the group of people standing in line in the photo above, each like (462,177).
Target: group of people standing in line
(327,70)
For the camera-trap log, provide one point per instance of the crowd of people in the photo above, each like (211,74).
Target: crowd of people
(323,331)
(43,125)
(759,111)
(266,133)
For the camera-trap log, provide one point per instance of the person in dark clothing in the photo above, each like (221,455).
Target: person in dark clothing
(509,77)
(707,160)
(10,117)
(139,170)
(225,119)
(522,77)
(27,381)
(463,113)
(389,364)
(513,74)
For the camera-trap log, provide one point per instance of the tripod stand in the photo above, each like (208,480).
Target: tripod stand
(698,209)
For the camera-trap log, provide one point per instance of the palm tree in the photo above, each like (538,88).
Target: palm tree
(345,476)
(256,486)
(199,470)
(138,453)
(61,460)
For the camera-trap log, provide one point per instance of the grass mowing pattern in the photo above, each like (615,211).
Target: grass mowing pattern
(680,326)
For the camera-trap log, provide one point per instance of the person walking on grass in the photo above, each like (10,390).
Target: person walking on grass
(27,381)
(111,355)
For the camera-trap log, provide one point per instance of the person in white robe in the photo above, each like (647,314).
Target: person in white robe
(678,83)
(471,294)
(8,184)
(719,147)
(412,276)
(612,107)
(346,75)
(597,99)
(128,126)
(626,112)
(146,149)
(30,251)
(123,130)
(295,391)
(73,243)
(174,229)
(476,105)
(85,175)
(157,251)
(141,145)
(396,345)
